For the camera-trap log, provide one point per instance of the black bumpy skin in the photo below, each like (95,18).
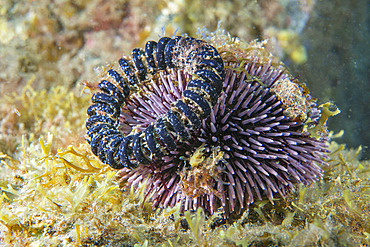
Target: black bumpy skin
(197,58)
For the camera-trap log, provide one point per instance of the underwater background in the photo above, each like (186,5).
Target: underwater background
(49,49)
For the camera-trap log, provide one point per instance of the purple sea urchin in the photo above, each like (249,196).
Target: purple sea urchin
(254,144)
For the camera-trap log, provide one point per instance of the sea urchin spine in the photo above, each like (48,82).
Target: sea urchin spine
(247,149)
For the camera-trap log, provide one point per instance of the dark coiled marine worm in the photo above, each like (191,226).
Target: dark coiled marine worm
(198,58)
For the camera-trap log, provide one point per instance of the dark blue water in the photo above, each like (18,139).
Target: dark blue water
(337,42)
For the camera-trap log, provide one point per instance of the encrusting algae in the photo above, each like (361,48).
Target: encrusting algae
(55,192)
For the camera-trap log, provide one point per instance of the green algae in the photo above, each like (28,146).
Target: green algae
(56,192)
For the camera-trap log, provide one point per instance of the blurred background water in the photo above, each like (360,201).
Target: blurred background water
(337,68)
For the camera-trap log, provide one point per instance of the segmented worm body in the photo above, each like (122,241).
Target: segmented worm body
(197,58)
